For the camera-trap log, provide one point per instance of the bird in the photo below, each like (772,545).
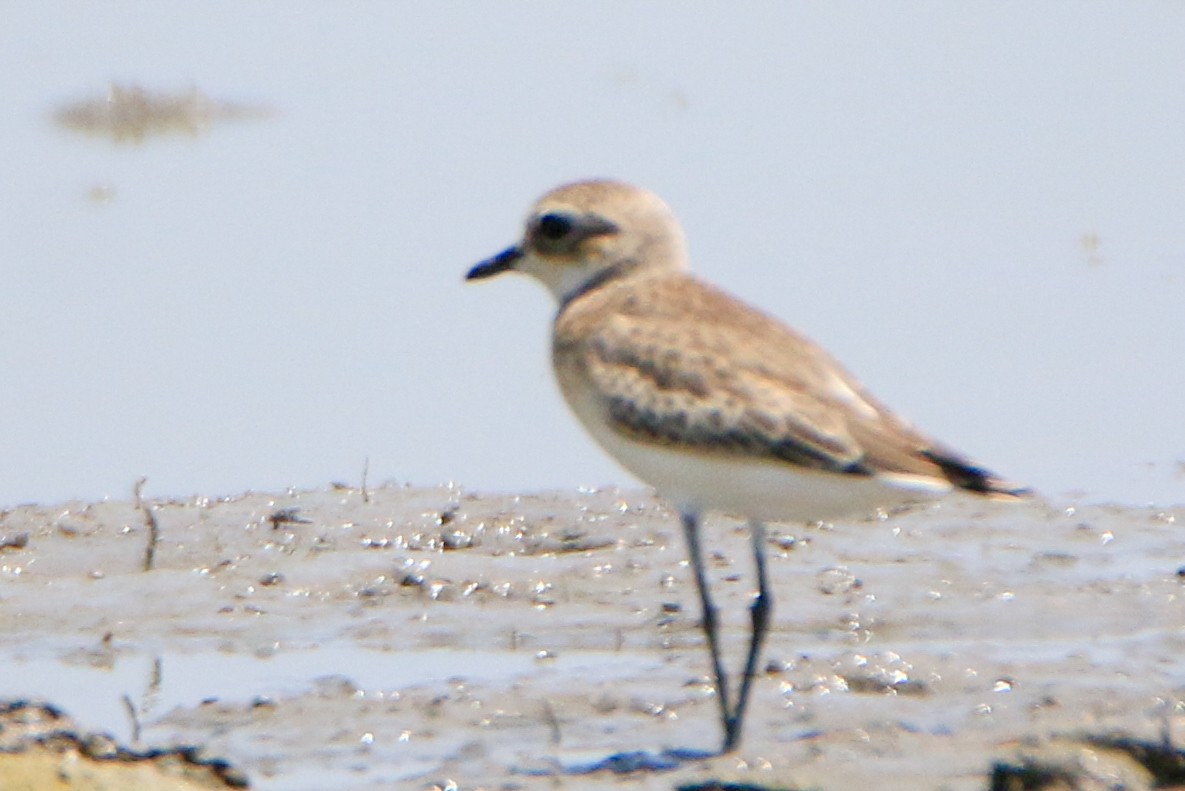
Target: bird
(717,405)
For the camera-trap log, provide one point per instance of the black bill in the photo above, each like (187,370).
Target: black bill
(502,262)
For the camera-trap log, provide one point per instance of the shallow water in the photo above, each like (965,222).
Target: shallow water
(423,636)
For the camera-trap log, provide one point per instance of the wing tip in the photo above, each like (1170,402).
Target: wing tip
(970,477)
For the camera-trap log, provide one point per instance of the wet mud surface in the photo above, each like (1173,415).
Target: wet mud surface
(420,638)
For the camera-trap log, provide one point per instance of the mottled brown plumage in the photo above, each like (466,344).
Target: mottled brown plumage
(678,362)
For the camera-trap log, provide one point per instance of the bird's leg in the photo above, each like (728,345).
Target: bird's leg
(690,521)
(759,611)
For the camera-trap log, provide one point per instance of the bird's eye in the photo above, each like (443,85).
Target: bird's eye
(554,227)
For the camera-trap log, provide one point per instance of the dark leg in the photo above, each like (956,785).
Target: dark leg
(759,610)
(691,531)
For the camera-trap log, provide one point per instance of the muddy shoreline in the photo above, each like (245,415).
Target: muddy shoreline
(416,637)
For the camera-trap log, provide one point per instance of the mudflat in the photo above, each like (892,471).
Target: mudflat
(422,637)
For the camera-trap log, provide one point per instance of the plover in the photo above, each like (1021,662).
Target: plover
(715,404)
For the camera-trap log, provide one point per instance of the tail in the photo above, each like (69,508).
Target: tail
(965,475)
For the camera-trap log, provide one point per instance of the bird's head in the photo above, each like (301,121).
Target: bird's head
(579,233)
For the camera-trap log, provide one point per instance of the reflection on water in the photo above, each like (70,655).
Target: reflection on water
(94,692)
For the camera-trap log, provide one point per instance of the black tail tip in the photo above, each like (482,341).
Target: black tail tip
(976,479)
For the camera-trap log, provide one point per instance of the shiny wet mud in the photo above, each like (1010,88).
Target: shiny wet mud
(419,637)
